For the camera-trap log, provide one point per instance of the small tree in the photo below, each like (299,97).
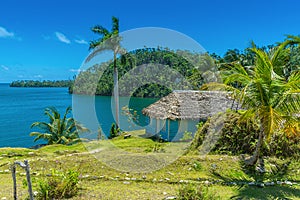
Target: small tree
(114,131)
(58,130)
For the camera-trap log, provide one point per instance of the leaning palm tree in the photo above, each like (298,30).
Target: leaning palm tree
(266,96)
(58,130)
(109,40)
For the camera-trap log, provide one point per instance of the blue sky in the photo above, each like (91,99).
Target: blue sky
(48,39)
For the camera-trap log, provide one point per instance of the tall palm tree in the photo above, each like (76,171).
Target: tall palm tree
(109,40)
(58,130)
(266,95)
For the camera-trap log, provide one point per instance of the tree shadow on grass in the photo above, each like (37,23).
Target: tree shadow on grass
(271,192)
(277,170)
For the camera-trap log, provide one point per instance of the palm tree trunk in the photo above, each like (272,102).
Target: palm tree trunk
(116,90)
(254,158)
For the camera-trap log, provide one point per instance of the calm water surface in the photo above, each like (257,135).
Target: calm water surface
(20,107)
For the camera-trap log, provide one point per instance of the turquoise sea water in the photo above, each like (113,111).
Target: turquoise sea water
(20,107)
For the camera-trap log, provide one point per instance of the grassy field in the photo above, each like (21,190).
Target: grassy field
(139,168)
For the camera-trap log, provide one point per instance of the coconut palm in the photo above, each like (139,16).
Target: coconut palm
(267,96)
(58,130)
(109,40)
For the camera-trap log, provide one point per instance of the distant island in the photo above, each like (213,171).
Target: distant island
(45,83)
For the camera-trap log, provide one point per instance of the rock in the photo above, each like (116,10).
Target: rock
(233,183)
(206,182)
(170,173)
(288,183)
(95,177)
(127,136)
(165,193)
(144,177)
(267,183)
(279,183)
(183,181)
(127,179)
(167,179)
(133,179)
(261,185)
(126,182)
(31,153)
(154,180)
(171,197)
(6,171)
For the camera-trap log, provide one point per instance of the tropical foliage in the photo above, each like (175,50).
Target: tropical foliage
(265,92)
(59,130)
(239,137)
(143,66)
(48,83)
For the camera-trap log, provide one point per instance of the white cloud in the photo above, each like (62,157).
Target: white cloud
(4,67)
(61,37)
(5,34)
(75,70)
(81,41)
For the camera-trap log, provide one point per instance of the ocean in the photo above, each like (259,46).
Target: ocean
(20,107)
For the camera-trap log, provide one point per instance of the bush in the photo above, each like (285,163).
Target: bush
(58,186)
(240,137)
(114,131)
(194,192)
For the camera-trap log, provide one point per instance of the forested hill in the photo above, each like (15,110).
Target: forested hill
(31,83)
(148,72)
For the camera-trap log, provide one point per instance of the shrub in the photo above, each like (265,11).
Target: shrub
(194,192)
(114,131)
(240,137)
(58,186)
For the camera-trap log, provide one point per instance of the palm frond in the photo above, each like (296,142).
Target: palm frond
(100,30)
(115,26)
(112,43)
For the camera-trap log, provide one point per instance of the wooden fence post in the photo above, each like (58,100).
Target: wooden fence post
(27,169)
(13,171)
(25,166)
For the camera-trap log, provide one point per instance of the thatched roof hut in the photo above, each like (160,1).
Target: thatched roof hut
(190,105)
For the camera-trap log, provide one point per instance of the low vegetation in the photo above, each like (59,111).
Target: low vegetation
(191,176)
(59,130)
(239,136)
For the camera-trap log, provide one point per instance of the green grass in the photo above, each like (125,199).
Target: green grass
(162,178)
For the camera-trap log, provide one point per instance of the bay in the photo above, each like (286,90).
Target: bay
(20,107)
